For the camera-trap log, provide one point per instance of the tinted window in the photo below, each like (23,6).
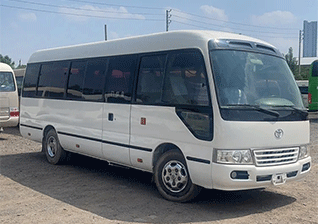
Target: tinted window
(185,81)
(315,69)
(58,79)
(150,79)
(76,77)
(303,89)
(6,82)
(94,79)
(119,79)
(44,79)
(19,80)
(30,80)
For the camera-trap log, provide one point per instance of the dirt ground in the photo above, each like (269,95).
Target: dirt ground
(86,190)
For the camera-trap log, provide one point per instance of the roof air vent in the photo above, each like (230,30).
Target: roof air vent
(263,47)
(239,44)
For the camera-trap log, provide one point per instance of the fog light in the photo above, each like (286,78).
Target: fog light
(305,167)
(239,175)
(233,175)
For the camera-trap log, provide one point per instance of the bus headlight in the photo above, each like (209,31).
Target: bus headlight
(303,152)
(233,156)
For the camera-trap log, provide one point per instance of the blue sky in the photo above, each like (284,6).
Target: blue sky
(30,25)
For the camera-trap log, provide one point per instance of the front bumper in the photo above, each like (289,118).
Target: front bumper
(257,177)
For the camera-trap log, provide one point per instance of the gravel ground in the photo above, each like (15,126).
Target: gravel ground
(86,190)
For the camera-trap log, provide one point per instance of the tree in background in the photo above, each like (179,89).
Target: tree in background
(20,65)
(293,65)
(6,59)
(291,60)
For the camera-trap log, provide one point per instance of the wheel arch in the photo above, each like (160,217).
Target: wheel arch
(161,149)
(45,131)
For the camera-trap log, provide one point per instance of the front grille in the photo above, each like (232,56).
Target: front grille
(271,157)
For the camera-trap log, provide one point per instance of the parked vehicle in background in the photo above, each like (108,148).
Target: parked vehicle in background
(303,87)
(19,76)
(313,87)
(9,103)
(195,108)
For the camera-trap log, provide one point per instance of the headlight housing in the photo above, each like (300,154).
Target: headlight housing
(233,156)
(303,151)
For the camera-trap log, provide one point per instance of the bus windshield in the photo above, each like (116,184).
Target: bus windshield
(250,81)
(6,82)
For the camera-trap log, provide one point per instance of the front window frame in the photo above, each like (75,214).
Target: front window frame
(250,114)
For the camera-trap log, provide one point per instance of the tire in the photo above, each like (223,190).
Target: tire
(172,178)
(54,152)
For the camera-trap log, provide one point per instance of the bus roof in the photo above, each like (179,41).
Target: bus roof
(5,67)
(139,44)
(19,72)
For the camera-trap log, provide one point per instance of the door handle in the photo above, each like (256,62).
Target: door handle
(110,116)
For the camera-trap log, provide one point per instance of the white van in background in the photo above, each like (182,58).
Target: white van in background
(303,87)
(9,103)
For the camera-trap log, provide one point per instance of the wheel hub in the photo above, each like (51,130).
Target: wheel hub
(51,146)
(175,176)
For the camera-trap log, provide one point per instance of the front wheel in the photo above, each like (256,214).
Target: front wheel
(172,178)
(54,152)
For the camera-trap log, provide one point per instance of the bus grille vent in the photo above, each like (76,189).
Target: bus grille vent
(272,157)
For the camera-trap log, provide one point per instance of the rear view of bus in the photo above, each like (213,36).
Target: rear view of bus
(9,105)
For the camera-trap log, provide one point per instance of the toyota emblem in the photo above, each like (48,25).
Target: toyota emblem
(279,133)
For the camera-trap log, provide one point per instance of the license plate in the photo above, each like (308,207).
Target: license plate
(279,178)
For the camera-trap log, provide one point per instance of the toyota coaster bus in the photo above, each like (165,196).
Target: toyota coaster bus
(9,101)
(195,108)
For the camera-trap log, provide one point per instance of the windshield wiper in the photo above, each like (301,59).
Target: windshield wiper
(255,107)
(295,109)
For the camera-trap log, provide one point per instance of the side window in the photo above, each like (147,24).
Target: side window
(185,81)
(150,79)
(315,69)
(30,80)
(119,79)
(185,86)
(75,81)
(58,79)
(94,79)
(45,79)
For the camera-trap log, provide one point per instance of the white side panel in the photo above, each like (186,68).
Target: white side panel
(78,124)
(29,108)
(116,128)
(162,125)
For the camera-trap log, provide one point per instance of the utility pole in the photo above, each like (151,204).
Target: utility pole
(168,20)
(105,32)
(300,37)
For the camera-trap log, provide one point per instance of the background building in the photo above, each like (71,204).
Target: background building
(310,39)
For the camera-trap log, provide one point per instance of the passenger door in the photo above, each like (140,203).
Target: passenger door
(172,105)
(116,113)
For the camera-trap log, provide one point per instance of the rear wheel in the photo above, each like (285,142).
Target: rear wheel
(54,152)
(172,178)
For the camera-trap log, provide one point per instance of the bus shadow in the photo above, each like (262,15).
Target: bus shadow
(11,131)
(129,195)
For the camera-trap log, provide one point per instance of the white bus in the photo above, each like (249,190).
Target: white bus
(9,101)
(195,108)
